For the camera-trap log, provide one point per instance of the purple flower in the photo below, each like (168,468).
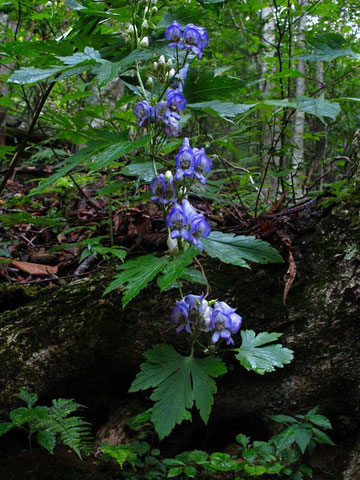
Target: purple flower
(199,227)
(179,78)
(202,164)
(185,161)
(164,192)
(176,102)
(171,126)
(160,110)
(143,112)
(180,316)
(176,221)
(201,310)
(225,322)
(192,310)
(173,34)
(192,38)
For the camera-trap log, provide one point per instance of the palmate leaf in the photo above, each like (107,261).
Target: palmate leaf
(144,171)
(313,106)
(27,75)
(221,109)
(179,382)
(202,86)
(183,15)
(237,249)
(326,47)
(136,274)
(255,353)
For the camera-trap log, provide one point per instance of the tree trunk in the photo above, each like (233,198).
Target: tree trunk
(299,118)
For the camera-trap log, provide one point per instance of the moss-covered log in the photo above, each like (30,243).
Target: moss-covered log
(72,342)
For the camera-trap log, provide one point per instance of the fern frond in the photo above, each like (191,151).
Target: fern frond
(121,453)
(72,431)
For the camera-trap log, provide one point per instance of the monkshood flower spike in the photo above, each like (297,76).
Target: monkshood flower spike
(194,313)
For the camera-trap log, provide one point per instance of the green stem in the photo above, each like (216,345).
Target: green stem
(142,88)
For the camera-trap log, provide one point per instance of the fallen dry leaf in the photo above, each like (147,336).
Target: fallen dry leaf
(35,268)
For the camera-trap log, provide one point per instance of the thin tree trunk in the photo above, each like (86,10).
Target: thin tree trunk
(268,34)
(299,118)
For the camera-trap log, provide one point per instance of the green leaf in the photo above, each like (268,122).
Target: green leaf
(174,268)
(243,439)
(282,418)
(321,437)
(179,383)
(170,462)
(29,398)
(174,472)
(22,415)
(73,5)
(222,109)
(193,275)
(26,218)
(255,470)
(183,15)
(137,273)
(326,47)
(237,249)
(47,439)
(190,471)
(320,421)
(302,437)
(144,171)
(27,75)
(253,355)
(285,438)
(121,453)
(6,427)
(114,152)
(79,57)
(313,106)
(202,85)
(64,168)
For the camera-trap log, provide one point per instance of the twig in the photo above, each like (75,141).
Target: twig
(205,277)
(18,154)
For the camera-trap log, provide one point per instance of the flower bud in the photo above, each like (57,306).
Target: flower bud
(169,63)
(172,245)
(144,42)
(146,9)
(154,9)
(144,24)
(172,73)
(131,28)
(149,82)
(168,175)
(182,192)
(156,65)
(162,60)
